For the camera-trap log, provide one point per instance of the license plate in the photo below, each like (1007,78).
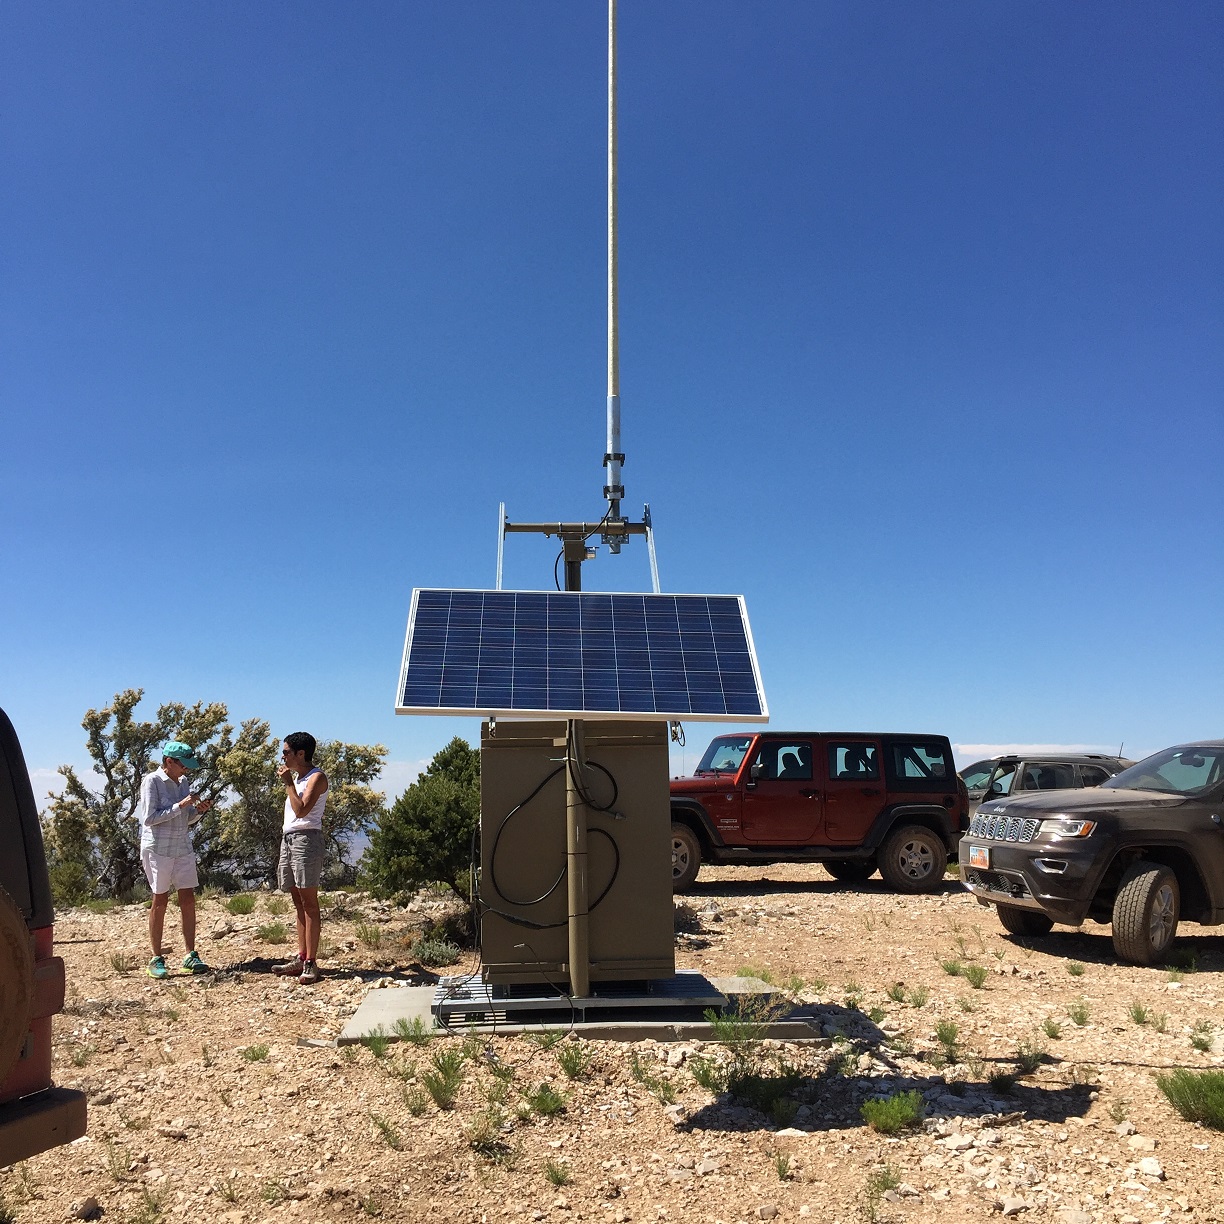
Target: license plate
(979,856)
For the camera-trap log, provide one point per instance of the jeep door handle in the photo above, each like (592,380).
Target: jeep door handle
(809,794)
(870,790)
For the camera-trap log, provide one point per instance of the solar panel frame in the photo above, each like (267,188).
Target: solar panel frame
(580,654)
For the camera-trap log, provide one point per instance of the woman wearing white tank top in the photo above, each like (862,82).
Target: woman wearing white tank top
(301,851)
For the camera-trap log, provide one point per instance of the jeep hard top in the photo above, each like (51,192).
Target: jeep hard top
(852,801)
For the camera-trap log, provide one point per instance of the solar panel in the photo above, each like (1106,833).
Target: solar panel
(577,654)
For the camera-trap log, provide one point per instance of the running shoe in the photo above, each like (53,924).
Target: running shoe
(193,964)
(310,973)
(157,967)
(289,968)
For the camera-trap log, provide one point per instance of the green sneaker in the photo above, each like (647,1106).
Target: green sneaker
(193,964)
(157,967)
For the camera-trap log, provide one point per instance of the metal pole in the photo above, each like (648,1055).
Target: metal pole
(576,862)
(613,456)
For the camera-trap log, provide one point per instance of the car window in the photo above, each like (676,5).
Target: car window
(1176,771)
(1092,775)
(975,775)
(918,760)
(848,760)
(1005,775)
(783,762)
(725,754)
(1056,776)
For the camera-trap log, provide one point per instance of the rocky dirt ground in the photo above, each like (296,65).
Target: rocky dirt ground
(1040,1102)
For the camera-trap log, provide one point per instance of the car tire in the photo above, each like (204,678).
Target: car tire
(1145,913)
(1023,922)
(851,871)
(686,857)
(913,860)
(16,982)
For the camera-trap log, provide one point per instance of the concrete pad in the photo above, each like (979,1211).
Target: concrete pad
(381,1009)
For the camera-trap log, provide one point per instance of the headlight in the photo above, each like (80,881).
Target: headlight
(1064,828)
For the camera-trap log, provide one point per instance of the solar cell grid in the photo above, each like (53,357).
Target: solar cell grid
(580,653)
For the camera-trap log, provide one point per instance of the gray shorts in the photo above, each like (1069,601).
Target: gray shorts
(301,860)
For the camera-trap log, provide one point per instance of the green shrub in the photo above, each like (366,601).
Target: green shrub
(1075,969)
(655,1084)
(1030,1055)
(1078,1011)
(368,935)
(442,1083)
(575,1059)
(1197,1095)
(1051,1028)
(243,903)
(276,905)
(1202,1035)
(894,1113)
(433,953)
(711,1075)
(896,992)
(953,968)
(377,1043)
(387,1131)
(544,1100)
(413,1031)
(273,932)
(975,975)
(1138,1013)
(556,1173)
(255,1053)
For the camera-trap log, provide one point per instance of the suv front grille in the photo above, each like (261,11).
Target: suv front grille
(1004,828)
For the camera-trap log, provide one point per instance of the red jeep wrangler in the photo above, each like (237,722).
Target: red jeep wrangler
(34,1116)
(849,801)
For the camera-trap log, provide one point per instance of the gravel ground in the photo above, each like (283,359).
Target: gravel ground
(1040,1103)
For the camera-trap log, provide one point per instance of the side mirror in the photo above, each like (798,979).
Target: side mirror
(996,788)
(755,771)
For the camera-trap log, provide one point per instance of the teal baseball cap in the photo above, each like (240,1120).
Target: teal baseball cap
(184,754)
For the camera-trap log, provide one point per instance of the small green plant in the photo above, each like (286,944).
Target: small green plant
(1001,1081)
(843,1060)
(171,1014)
(556,1173)
(1184,959)
(1119,1110)
(368,935)
(755,971)
(876,1014)
(1075,969)
(966,1004)
(388,1132)
(243,903)
(1030,1054)
(782,1166)
(575,1059)
(953,968)
(1138,1013)
(442,1083)
(484,1136)
(273,1191)
(370,1205)
(879,1182)
(853,995)
(81,1054)
(1174,973)
(122,962)
(1202,1036)
(273,932)
(1197,1095)
(975,975)
(415,1100)
(1160,1021)
(946,1033)
(918,996)
(413,1031)
(894,1113)
(654,1084)
(7,1214)
(377,1042)
(1078,1011)
(148,1210)
(1086,1075)
(1051,1028)
(255,1053)
(228,1189)
(546,1038)
(896,992)
(711,1075)
(544,1100)
(795,984)
(433,953)
(276,905)
(224,1095)
(118,1160)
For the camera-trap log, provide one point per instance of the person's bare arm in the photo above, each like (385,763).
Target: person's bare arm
(315,786)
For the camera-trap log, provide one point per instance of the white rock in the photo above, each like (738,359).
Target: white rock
(1125,1128)
(767,1211)
(1011,1205)
(86,1209)
(1141,1143)
(1149,1166)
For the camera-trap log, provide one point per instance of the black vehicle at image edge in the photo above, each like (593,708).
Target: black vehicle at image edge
(1141,851)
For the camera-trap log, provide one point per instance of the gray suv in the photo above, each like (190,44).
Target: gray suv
(1012,775)
(34,1116)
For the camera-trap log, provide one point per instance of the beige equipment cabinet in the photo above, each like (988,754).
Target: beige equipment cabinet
(524,854)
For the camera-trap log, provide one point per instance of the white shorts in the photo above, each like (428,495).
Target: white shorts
(166,873)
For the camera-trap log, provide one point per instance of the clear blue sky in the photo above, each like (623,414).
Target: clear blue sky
(922,349)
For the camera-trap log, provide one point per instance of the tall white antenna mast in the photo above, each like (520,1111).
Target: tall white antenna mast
(613,457)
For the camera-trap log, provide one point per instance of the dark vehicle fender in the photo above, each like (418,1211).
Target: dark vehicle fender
(690,812)
(934,816)
(1198,903)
